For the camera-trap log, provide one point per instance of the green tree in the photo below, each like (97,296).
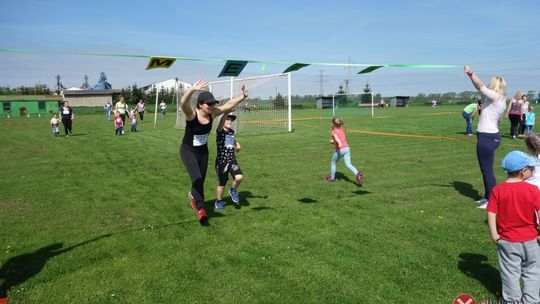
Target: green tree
(279,102)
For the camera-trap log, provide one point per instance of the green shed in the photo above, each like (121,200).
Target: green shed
(29,105)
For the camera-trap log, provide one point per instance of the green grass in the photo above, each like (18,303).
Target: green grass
(96,218)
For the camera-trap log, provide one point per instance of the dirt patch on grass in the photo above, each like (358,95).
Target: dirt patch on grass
(13,205)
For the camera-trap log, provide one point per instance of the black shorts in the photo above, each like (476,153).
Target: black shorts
(223,170)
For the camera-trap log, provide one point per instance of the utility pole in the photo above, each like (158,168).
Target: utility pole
(59,86)
(349,76)
(321,82)
(85,85)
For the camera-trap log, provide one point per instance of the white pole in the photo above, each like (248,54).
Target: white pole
(176,96)
(232,83)
(155,109)
(333,105)
(290,102)
(372,106)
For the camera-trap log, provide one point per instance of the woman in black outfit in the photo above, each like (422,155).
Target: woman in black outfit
(66,112)
(194,147)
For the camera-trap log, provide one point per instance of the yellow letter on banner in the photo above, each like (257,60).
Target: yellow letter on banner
(160,62)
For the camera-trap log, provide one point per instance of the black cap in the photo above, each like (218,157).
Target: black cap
(206,97)
(231,117)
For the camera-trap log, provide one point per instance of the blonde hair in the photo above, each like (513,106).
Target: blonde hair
(533,143)
(498,84)
(338,122)
(517,95)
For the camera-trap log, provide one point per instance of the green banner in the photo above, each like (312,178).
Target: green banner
(233,68)
(295,67)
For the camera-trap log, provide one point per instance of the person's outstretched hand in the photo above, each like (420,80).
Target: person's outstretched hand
(200,84)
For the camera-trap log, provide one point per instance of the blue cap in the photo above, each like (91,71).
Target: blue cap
(517,160)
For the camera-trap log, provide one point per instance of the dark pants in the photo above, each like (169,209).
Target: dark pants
(468,128)
(67,125)
(515,120)
(485,151)
(123,118)
(196,163)
(141,115)
(522,125)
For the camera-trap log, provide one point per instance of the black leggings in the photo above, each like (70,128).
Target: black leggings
(196,163)
(485,151)
(67,125)
(522,125)
(141,115)
(515,120)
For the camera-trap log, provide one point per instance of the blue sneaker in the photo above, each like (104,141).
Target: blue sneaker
(219,205)
(234,195)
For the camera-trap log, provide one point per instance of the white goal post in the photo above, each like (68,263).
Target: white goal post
(336,105)
(268,109)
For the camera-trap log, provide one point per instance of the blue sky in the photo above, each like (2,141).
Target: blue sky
(494,37)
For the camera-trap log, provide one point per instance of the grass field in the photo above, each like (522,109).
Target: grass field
(96,218)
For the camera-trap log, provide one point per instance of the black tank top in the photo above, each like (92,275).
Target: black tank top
(196,134)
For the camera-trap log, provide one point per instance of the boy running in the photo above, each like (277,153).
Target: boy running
(226,160)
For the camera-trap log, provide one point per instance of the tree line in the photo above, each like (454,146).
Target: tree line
(134,93)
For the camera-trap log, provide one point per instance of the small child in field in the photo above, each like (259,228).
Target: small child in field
(226,161)
(133,120)
(118,124)
(533,145)
(54,125)
(512,218)
(342,150)
(530,119)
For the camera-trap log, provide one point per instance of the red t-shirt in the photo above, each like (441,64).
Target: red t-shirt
(338,133)
(118,121)
(515,205)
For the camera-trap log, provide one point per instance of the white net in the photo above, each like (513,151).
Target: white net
(265,111)
(352,104)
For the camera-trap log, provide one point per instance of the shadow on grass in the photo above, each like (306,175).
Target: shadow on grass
(341,176)
(474,265)
(361,192)
(257,209)
(21,268)
(464,189)
(307,200)
(244,198)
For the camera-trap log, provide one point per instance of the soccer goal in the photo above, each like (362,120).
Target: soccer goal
(268,107)
(267,110)
(354,104)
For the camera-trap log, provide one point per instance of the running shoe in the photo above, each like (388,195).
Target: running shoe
(202,217)
(192,201)
(234,195)
(359,178)
(219,205)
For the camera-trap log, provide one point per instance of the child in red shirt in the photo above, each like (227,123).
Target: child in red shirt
(342,151)
(118,124)
(512,218)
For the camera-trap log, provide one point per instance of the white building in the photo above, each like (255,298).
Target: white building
(169,84)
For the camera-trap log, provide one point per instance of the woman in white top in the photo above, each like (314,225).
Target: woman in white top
(533,145)
(487,132)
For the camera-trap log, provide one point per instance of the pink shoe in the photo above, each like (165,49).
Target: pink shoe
(359,179)
(202,217)
(330,179)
